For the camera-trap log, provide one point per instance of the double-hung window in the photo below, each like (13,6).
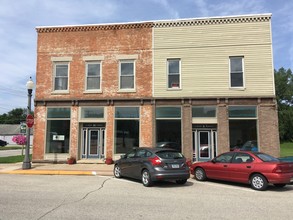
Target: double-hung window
(127,74)
(61,70)
(173,69)
(93,76)
(236,72)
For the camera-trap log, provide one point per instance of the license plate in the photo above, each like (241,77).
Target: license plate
(175,165)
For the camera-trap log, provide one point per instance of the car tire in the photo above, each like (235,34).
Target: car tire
(117,171)
(181,182)
(280,185)
(200,174)
(146,178)
(258,182)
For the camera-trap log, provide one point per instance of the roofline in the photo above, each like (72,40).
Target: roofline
(157,23)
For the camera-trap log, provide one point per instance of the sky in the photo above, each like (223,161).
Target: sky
(19,18)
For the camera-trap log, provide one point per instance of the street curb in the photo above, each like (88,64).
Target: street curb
(57,172)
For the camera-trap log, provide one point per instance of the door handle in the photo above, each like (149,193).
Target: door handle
(225,166)
(248,166)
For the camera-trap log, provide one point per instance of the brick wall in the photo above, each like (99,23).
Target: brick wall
(268,129)
(106,43)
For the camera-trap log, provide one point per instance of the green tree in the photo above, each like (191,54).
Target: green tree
(284,96)
(15,116)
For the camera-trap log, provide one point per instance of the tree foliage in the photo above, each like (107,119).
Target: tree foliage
(284,96)
(15,116)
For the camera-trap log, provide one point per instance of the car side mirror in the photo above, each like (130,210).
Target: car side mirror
(213,161)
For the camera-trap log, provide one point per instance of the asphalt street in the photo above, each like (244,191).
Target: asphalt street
(100,197)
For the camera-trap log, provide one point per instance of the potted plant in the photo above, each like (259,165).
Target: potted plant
(71,160)
(109,160)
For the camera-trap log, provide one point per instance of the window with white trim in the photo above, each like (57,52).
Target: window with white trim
(236,72)
(126,74)
(173,69)
(93,76)
(61,72)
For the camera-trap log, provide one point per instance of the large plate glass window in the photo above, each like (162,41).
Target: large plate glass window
(93,76)
(126,129)
(58,130)
(243,128)
(168,127)
(61,72)
(173,70)
(236,72)
(127,74)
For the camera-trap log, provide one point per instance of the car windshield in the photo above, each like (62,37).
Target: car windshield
(169,155)
(266,157)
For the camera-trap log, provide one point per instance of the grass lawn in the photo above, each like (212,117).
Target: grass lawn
(12,147)
(286,149)
(12,159)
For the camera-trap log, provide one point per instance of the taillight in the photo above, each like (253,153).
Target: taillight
(156,161)
(277,169)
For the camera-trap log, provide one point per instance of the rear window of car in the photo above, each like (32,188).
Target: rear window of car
(169,155)
(266,157)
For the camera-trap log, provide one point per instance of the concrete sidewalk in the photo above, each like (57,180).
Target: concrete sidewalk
(58,169)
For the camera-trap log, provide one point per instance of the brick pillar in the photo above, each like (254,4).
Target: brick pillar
(187,147)
(269,141)
(223,129)
(74,132)
(146,125)
(39,133)
(110,132)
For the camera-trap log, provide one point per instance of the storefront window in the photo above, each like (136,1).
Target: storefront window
(168,126)
(58,130)
(203,111)
(243,128)
(126,129)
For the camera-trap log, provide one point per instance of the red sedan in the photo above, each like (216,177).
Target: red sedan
(254,168)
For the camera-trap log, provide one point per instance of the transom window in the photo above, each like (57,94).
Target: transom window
(236,72)
(204,111)
(127,73)
(93,76)
(61,76)
(173,69)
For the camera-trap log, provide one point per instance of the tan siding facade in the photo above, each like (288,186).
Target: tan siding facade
(204,51)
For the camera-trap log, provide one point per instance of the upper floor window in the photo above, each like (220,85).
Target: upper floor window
(93,76)
(173,68)
(236,72)
(126,74)
(61,76)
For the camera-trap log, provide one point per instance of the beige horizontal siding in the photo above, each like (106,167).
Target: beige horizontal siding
(204,52)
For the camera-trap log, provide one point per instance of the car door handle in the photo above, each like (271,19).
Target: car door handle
(225,166)
(248,166)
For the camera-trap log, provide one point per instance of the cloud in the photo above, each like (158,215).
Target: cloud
(229,7)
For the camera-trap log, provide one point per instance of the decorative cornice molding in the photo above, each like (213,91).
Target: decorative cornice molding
(159,24)
(212,21)
(94,27)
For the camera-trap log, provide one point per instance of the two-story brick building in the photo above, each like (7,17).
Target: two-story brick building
(205,84)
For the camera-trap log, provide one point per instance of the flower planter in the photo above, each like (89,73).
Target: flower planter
(71,161)
(109,161)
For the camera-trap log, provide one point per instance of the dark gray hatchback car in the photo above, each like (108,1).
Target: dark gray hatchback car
(152,164)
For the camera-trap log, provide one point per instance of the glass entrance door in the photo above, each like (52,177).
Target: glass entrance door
(204,144)
(93,143)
